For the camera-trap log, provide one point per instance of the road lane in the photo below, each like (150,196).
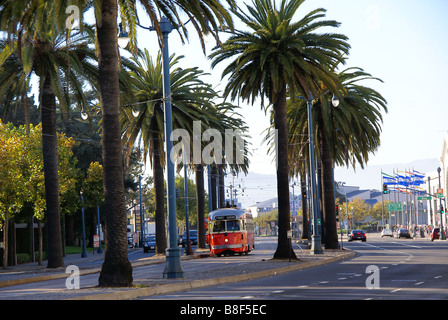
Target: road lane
(406,269)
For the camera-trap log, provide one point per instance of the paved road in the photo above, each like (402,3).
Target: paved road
(145,275)
(399,269)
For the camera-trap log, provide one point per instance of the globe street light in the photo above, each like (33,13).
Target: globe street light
(173,268)
(316,245)
(442,232)
(84,253)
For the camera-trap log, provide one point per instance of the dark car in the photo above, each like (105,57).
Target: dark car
(435,234)
(403,233)
(150,243)
(357,235)
(193,238)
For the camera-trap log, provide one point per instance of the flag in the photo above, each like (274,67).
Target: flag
(388,179)
(387,175)
(418,174)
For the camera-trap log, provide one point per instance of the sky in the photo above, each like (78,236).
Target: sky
(402,42)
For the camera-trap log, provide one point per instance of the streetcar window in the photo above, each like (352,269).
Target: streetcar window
(233,225)
(219,226)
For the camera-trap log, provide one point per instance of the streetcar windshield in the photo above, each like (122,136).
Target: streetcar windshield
(233,225)
(226,225)
(219,226)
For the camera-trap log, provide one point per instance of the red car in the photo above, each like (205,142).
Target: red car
(435,234)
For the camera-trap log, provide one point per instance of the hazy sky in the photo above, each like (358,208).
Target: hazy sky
(402,42)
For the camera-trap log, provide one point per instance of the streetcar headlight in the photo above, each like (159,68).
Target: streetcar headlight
(226,240)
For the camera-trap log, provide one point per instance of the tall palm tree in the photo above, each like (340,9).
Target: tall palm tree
(345,135)
(37,46)
(190,96)
(277,56)
(116,269)
(199,12)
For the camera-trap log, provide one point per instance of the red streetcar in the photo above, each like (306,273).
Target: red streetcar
(230,231)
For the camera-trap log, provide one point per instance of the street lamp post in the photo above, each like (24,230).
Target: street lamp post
(188,249)
(100,250)
(442,232)
(316,245)
(142,222)
(84,253)
(173,268)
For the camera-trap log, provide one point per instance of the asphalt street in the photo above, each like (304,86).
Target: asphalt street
(384,269)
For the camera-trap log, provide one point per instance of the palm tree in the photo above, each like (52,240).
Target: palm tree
(116,269)
(279,56)
(346,135)
(199,12)
(37,46)
(190,97)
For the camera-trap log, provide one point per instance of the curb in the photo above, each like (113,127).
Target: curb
(54,276)
(184,286)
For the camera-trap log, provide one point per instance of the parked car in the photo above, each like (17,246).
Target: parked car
(193,238)
(403,233)
(386,233)
(357,235)
(150,243)
(435,234)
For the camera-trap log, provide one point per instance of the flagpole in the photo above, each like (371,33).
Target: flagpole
(395,198)
(382,200)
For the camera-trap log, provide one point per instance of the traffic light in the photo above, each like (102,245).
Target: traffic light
(441,209)
(385,189)
(336,209)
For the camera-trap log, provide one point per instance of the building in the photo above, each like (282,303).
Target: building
(413,209)
(269,205)
(442,179)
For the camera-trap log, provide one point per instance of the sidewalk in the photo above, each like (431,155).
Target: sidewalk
(145,285)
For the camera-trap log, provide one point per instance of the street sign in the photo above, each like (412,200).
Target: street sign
(96,241)
(439,190)
(394,206)
(424,198)
(439,195)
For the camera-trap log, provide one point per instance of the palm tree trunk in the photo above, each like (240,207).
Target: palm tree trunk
(50,158)
(200,197)
(159,195)
(321,203)
(284,248)
(116,270)
(328,201)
